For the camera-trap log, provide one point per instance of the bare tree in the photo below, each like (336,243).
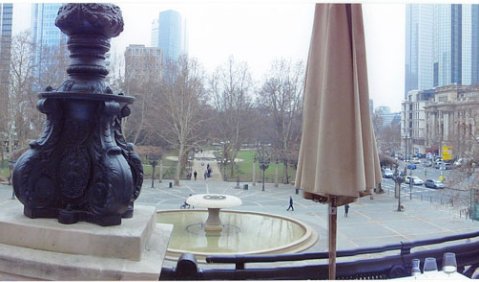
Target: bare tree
(179,108)
(23,118)
(231,86)
(51,71)
(5,56)
(281,95)
(142,81)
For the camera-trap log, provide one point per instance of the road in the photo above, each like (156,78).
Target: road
(456,198)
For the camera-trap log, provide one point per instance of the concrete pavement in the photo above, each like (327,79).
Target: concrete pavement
(370,222)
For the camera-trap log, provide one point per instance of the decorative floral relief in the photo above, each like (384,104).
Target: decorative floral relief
(74,171)
(105,19)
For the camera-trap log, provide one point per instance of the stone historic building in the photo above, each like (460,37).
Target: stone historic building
(446,116)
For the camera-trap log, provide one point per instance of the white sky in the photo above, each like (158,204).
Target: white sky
(259,31)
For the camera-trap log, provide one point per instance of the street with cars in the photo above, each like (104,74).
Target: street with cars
(434,182)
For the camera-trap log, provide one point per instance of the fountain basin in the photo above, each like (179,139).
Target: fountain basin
(242,232)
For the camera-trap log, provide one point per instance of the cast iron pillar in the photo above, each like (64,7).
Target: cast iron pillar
(81,168)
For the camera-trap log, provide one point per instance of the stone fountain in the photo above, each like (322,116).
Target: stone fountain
(219,230)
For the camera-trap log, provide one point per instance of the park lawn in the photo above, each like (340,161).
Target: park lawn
(4,171)
(245,169)
(169,167)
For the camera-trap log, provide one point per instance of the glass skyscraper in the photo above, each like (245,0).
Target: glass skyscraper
(6,13)
(441,45)
(45,35)
(169,34)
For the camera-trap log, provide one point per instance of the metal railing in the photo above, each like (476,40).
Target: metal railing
(382,266)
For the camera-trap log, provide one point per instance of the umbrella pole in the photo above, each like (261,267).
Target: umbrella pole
(332,222)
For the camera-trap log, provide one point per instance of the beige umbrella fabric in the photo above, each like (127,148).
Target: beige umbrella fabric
(338,160)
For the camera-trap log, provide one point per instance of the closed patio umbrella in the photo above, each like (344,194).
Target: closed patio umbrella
(338,160)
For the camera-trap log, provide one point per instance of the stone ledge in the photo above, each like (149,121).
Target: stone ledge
(125,241)
(18,263)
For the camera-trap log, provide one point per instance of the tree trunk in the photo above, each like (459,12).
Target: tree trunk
(286,172)
(178,164)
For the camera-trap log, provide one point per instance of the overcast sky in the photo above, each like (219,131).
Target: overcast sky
(259,31)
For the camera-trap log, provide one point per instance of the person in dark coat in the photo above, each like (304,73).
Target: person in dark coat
(290,207)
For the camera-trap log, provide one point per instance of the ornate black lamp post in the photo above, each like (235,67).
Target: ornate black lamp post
(398,179)
(264,159)
(81,168)
(153,162)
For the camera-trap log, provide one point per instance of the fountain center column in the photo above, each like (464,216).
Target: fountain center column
(213,202)
(213,222)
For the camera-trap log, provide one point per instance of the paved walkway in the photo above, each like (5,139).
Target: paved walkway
(371,222)
(201,161)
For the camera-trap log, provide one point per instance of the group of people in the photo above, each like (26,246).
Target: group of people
(207,173)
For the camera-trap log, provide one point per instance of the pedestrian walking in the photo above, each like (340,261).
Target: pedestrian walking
(346,210)
(195,174)
(290,207)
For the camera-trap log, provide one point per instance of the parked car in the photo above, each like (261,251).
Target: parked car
(388,173)
(427,163)
(415,180)
(445,166)
(439,164)
(411,166)
(436,184)
(415,161)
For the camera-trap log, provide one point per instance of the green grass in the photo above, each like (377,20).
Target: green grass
(168,165)
(244,169)
(4,171)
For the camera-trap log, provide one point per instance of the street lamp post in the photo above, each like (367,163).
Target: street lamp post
(263,160)
(153,163)
(406,139)
(263,165)
(160,176)
(276,174)
(411,183)
(254,171)
(398,179)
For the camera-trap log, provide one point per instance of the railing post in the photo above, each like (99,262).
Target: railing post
(240,265)
(405,248)
(186,267)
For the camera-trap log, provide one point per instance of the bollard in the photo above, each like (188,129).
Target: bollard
(170,185)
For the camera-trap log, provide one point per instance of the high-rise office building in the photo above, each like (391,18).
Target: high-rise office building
(6,12)
(169,34)
(48,39)
(419,46)
(441,45)
(142,62)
